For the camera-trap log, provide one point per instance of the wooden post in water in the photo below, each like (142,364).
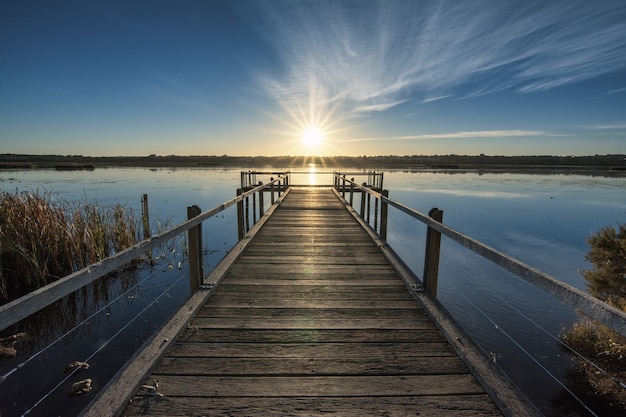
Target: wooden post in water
(431,259)
(261,202)
(240,229)
(352,193)
(253,208)
(384,208)
(376,214)
(363,201)
(247,215)
(145,217)
(195,250)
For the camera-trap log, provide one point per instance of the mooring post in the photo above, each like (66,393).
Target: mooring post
(195,250)
(240,229)
(261,202)
(384,208)
(431,259)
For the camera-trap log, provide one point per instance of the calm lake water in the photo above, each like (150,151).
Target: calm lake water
(543,220)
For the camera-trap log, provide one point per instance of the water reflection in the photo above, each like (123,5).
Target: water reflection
(543,220)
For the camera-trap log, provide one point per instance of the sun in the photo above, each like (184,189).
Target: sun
(312,137)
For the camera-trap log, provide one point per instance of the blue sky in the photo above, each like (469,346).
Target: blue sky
(376,78)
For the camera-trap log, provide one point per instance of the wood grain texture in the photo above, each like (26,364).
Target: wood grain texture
(312,320)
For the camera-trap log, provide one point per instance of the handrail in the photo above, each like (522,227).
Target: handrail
(573,297)
(34,301)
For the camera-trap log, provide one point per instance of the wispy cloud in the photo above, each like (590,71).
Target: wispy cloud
(366,57)
(617,91)
(461,135)
(610,126)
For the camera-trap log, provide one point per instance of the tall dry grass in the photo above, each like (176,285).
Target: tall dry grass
(42,240)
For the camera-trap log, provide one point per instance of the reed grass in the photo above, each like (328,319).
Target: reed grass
(42,240)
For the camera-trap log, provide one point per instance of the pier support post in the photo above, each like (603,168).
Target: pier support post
(431,259)
(195,250)
(240,228)
(261,202)
(384,209)
(363,192)
(352,193)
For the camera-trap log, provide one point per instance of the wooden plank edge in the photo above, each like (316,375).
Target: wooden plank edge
(119,391)
(509,399)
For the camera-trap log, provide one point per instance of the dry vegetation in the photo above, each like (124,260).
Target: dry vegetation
(41,241)
(603,385)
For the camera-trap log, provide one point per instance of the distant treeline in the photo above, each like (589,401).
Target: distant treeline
(610,162)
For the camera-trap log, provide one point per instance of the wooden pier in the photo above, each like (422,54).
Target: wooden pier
(311,319)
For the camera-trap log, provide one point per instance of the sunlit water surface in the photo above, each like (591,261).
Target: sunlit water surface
(543,220)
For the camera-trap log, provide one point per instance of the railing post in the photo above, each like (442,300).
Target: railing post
(195,250)
(363,201)
(261,202)
(343,186)
(376,213)
(272,190)
(240,229)
(384,208)
(369,207)
(352,193)
(253,208)
(431,259)
(247,214)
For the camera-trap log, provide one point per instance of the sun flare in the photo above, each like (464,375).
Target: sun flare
(312,137)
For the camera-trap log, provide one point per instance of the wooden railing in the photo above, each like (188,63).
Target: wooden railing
(575,298)
(23,307)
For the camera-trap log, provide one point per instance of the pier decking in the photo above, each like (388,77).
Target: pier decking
(311,320)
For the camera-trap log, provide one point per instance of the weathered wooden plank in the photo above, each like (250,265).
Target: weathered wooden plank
(354,271)
(251,322)
(263,313)
(365,350)
(395,406)
(354,292)
(196,334)
(363,260)
(401,365)
(233,300)
(317,386)
(292,281)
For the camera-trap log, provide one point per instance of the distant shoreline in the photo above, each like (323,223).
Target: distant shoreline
(616,163)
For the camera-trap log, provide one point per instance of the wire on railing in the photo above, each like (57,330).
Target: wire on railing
(106,342)
(575,298)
